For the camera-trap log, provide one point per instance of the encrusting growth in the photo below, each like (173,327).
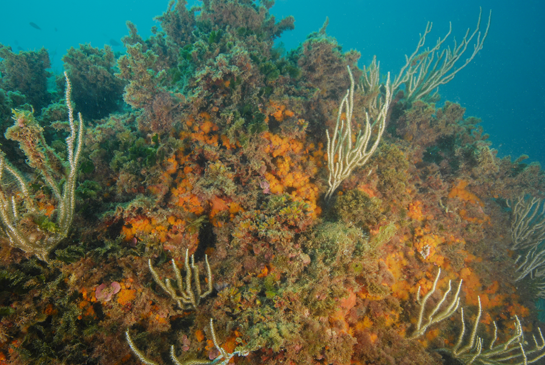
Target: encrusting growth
(27,228)
(192,294)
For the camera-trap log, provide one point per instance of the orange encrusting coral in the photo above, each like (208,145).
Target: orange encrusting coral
(85,303)
(426,245)
(201,128)
(459,191)
(142,226)
(47,208)
(415,211)
(126,295)
(199,335)
(289,174)
(280,112)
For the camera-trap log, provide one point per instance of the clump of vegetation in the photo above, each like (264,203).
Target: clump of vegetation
(358,208)
(96,91)
(26,72)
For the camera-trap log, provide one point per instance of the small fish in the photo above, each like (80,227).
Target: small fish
(34,25)
(114,43)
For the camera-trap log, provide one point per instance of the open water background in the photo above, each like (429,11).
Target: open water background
(504,85)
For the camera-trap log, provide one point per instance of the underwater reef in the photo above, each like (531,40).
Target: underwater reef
(209,198)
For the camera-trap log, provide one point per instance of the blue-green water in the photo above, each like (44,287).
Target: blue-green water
(505,85)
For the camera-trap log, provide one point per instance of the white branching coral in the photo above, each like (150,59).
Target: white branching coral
(187,297)
(223,358)
(437,314)
(527,223)
(470,348)
(25,226)
(512,351)
(343,156)
(528,237)
(426,70)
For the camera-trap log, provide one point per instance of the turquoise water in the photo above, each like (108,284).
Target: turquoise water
(504,86)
